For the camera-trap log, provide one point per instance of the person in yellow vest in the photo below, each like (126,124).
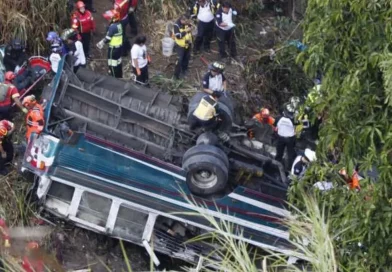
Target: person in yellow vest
(183,37)
(206,113)
(114,38)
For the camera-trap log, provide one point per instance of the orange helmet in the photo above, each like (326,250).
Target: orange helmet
(28,100)
(3,131)
(9,76)
(264,112)
(80,5)
(112,15)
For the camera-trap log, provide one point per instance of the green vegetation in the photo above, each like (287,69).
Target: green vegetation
(349,42)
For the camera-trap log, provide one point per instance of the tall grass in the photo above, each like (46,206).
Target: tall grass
(31,20)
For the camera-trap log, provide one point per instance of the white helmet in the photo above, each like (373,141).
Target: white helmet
(310,155)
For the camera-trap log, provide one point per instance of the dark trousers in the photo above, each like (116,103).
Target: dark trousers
(195,123)
(114,54)
(226,36)
(5,112)
(184,54)
(25,79)
(126,44)
(86,40)
(143,78)
(204,34)
(133,23)
(9,149)
(89,4)
(76,68)
(281,144)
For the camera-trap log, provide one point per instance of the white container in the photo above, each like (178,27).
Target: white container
(167,46)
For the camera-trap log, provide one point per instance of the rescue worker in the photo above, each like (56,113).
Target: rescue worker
(132,17)
(6,147)
(140,60)
(225,30)
(204,11)
(114,38)
(32,260)
(264,117)
(301,163)
(9,94)
(35,116)
(74,47)
(205,115)
(183,38)
(83,23)
(286,134)
(122,6)
(214,79)
(55,41)
(353,181)
(15,55)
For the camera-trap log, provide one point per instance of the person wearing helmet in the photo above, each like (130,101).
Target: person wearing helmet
(83,23)
(225,29)
(35,116)
(206,113)
(6,147)
(301,163)
(214,80)
(15,55)
(114,37)
(204,11)
(183,38)
(285,128)
(9,94)
(55,41)
(122,6)
(75,47)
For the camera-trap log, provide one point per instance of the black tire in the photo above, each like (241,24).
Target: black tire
(209,150)
(207,138)
(205,175)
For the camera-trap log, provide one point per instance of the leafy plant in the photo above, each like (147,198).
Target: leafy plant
(349,42)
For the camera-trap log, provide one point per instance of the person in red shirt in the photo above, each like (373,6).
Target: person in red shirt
(122,6)
(353,181)
(6,147)
(9,94)
(83,22)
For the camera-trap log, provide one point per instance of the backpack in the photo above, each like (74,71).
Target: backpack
(3,91)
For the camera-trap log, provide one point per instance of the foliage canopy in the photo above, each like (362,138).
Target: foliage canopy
(349,42)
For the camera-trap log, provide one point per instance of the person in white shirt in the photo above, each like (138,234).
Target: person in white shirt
(140,60)
(204,11)
(225,30)
(79,55)
(55,58)
(285,127)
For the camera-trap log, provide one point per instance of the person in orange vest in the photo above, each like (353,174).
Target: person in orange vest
(6,147)
(9,94)
(84,24)
(32,261)
(35,117)
(353,181)
(122,6)
(264,117)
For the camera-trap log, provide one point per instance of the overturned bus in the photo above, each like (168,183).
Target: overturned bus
(118,159)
